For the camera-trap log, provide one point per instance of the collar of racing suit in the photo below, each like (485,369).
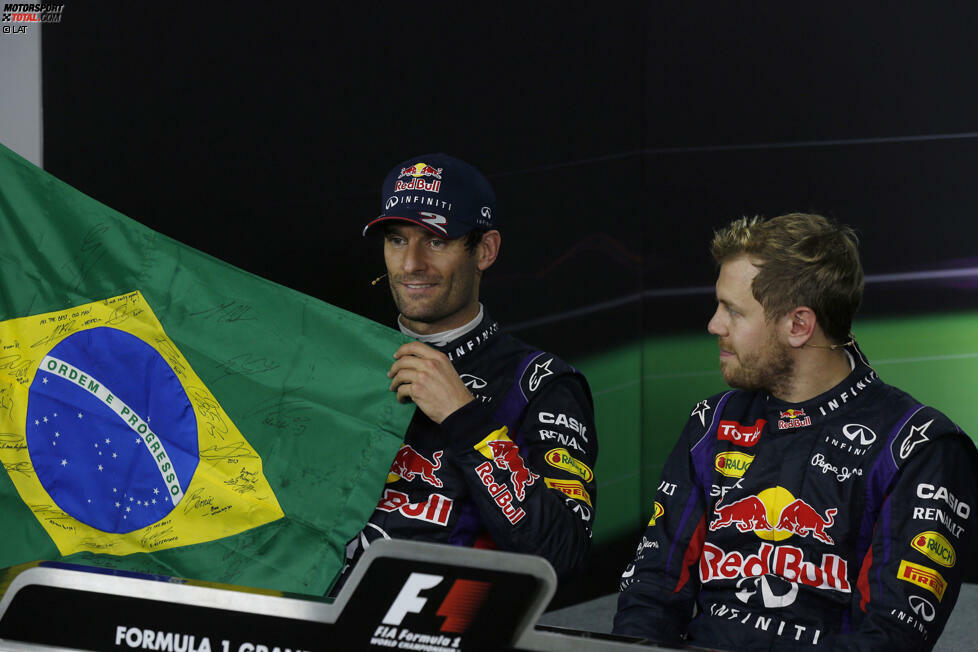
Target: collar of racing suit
(444,337)
(861,378)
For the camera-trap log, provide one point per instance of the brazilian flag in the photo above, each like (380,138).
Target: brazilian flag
(164,412)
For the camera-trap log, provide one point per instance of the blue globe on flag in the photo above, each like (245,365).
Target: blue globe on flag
(111,433)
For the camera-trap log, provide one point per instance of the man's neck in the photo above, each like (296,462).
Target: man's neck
(816,372)
(442,337)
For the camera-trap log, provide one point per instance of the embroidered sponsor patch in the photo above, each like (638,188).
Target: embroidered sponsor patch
(572,488)
(733,464)
(657,511)
(561,459)
(740,434)
(436,509)
(928,578)
(935,547)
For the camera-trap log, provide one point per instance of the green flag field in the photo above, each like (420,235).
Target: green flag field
(162,411)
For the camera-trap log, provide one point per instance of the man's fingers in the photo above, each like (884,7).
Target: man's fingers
(404,393)
(402,377)
(416,349)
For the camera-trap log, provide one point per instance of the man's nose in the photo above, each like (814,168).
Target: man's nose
(415,259)
(717,326)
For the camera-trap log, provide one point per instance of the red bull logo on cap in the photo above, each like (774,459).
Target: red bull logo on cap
(740,434)
(774,514)
(420,170)
(410,464)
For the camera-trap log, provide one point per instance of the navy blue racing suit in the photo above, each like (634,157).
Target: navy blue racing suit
(844,522)
(511,470)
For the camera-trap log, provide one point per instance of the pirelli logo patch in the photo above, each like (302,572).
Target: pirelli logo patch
(928,578)
(572,488)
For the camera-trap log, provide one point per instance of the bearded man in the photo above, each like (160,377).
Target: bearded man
(812,505)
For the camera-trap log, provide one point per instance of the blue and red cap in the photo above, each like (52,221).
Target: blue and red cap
(440,193)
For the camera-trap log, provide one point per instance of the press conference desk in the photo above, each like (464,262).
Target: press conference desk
(402,595)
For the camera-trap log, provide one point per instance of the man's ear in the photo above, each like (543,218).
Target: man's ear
(801,325)
(487,250)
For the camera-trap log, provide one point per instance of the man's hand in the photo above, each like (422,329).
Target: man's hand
(427,377)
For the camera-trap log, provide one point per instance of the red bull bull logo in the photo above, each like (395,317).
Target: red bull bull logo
(410,464)
(784,561)
(792,418)
(774,514)
(799,518)
(745,514)
(740,434)
(506,455)
(504,452)
(420,170)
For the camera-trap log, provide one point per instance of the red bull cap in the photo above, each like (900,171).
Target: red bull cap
(440,193)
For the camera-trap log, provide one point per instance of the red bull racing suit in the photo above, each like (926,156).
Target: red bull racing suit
(512,469)
(844,522)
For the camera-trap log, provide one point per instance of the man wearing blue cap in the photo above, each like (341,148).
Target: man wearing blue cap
(501,448)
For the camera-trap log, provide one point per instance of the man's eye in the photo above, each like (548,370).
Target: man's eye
(437,244)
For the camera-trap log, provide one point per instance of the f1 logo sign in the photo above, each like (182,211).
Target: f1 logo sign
(408,600)
(458,608)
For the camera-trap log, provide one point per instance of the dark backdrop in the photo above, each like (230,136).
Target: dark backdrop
(617,136)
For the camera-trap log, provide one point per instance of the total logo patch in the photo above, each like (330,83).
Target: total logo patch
(935,547)
(561,459)
(733,464)
(657,512)
(928,578)
(774,515)
(740,434)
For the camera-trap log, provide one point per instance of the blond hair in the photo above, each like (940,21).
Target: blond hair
(804,260)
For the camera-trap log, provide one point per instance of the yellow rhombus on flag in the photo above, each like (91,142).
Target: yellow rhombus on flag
(114,442)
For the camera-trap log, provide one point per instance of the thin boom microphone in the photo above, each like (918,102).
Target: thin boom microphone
(377,280)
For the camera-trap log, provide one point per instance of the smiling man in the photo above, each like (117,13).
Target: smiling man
(812,505)
(502,447)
